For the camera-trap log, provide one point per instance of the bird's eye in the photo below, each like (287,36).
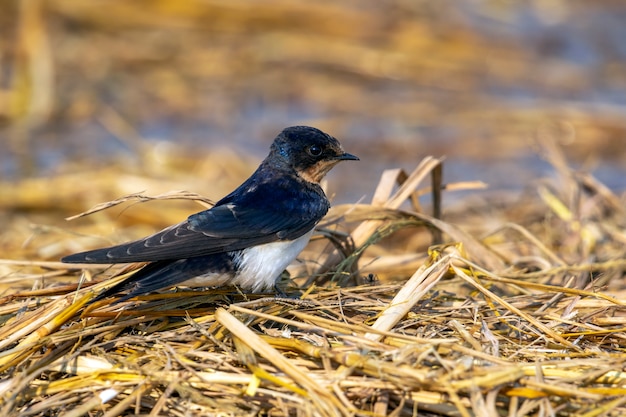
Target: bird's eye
(315,150)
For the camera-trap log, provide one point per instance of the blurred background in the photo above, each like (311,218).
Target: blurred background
(90,84)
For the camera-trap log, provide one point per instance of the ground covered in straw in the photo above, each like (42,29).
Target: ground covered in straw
(497,306)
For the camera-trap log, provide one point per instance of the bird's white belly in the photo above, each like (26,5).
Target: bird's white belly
(258,267)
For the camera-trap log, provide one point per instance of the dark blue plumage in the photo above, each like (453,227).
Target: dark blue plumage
(249,236)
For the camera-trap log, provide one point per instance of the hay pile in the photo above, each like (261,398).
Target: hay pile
(516,309)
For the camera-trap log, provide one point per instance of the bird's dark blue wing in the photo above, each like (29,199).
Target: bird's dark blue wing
(256,213)
(284,207)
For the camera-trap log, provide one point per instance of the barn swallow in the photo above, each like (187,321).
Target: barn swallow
(248,237)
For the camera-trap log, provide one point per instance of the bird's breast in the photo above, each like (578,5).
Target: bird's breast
(258,267)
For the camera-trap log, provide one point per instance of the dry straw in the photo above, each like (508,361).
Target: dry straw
(525,319)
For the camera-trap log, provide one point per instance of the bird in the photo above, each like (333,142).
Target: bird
(247,238)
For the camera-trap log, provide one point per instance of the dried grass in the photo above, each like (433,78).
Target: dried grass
(525,318)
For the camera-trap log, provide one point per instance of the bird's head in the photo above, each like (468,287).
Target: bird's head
(309,151)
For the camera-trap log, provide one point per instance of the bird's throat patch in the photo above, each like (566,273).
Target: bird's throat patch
(316,172)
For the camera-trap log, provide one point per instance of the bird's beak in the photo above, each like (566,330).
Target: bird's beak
(347,157)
